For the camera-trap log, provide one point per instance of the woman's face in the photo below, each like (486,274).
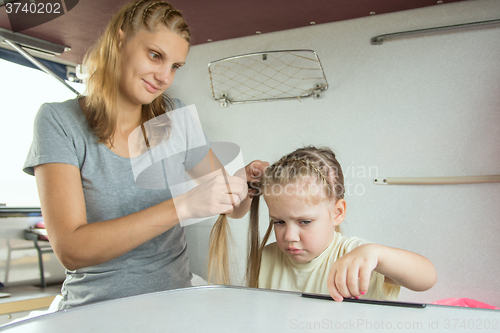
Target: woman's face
(149,61)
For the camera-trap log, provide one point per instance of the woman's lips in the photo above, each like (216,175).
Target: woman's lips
(150,87)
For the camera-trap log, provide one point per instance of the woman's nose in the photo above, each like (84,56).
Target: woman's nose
(165,76)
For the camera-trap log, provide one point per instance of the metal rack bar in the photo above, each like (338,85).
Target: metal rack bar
(38,64)
(37,44)
(378,40)
(436,180)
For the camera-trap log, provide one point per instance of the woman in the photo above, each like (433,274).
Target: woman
(115,238)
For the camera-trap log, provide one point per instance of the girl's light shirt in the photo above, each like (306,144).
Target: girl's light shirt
(278,271)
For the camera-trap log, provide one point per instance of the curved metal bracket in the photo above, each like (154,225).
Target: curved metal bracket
(224,100)
(317,92)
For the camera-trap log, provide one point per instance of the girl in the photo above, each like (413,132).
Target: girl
(305,195)
(114,238)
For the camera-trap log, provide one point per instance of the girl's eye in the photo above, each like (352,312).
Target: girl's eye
(306,222)
(278,222)
(154,55)
(175,67)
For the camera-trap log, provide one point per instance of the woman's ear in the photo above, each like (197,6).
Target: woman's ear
(339,211)
(121,38)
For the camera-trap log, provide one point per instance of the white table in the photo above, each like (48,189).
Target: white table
(235,309)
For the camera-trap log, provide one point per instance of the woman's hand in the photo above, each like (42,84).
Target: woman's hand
(253,172)
(203,174)
(350,274)
(212,197)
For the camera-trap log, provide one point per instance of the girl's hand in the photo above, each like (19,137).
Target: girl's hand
(350,275)
(211,198)
(254,172)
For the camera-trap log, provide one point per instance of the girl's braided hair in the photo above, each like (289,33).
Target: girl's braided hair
(317,163)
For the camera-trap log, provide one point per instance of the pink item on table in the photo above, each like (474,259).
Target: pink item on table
(465,302)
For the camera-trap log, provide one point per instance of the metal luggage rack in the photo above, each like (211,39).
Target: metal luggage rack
(266,76)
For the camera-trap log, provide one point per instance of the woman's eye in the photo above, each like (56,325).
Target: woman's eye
(278,222)
(175,67)
(154,55)
(305,222)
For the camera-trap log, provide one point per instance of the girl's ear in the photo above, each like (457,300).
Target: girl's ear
(339,211)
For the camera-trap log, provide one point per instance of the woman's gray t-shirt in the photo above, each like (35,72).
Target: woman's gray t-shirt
(62,135)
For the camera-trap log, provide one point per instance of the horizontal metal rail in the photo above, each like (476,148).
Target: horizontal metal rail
(436,180)
(378,40)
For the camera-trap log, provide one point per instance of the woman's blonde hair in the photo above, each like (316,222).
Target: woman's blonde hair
(102,63)
(308,162)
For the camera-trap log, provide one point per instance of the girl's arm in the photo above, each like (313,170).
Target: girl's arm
(405,268)
(350,275)
(78,244)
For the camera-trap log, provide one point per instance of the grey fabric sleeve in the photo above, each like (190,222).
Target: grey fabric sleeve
(51,143)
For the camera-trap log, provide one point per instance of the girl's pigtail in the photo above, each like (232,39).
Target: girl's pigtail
(255,247)
(218,256)
(253,257)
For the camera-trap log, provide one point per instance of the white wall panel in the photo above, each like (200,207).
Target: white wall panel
(412,107)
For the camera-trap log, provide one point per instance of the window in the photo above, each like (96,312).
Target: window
(22,91)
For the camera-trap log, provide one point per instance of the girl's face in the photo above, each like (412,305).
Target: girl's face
(148,64)
(303,228)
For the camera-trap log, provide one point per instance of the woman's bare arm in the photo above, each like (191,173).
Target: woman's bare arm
(78,244)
